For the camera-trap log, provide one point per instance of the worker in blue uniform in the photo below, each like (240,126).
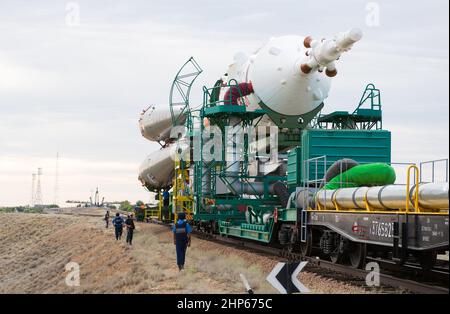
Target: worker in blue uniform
(166,201)
(166,196)
(181,238)
(118,226)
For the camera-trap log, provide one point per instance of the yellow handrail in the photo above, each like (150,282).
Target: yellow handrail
(416,192)
(366,202)
(182,199)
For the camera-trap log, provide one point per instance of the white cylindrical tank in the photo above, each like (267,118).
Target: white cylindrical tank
(156,122)
(432,196)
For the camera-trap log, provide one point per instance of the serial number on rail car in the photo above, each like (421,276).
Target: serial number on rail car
(382,229)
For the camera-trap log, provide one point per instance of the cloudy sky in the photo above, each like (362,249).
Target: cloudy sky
(78,88)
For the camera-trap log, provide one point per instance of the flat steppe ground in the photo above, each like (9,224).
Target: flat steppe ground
(35,248)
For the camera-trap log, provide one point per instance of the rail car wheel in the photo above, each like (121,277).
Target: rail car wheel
(428,259)
(289,251)
(215,227)
(337,257)
(357,254)
(332,245)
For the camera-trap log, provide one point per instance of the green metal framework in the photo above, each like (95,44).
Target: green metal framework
(181,89)
(179,98)
(209,173)
(362,118)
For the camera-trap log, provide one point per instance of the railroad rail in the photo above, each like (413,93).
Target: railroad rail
(430,283)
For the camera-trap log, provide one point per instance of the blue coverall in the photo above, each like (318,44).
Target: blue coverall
(181,230)
(118,225)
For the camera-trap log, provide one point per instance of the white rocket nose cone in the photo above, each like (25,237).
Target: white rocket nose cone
(355,34)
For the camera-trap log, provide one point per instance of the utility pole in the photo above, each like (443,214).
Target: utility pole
(33,190)
(38,197)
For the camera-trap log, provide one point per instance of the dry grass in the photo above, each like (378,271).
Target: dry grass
(34,250)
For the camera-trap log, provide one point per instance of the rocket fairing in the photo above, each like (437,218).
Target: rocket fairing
(287,76)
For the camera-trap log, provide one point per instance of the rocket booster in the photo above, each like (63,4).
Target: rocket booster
(156,122)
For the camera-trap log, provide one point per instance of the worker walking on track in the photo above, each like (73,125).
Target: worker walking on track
(181,238)
(118,226)
(129,223)
(107,219)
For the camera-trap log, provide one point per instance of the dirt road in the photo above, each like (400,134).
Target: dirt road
(34,249)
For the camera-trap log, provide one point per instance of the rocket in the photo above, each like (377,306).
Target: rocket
(289,77)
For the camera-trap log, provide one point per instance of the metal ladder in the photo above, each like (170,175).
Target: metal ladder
(303,225)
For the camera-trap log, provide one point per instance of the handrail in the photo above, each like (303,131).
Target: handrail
(207,92)
(182,84)
(433,166)
(416,191)
(370,92)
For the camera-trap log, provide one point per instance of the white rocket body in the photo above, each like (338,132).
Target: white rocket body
(290,75)
(276,72)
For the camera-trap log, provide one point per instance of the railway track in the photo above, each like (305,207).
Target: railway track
(392,276)
(439,275)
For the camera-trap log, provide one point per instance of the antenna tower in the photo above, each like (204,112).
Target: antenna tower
(38,197)
(33,190)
